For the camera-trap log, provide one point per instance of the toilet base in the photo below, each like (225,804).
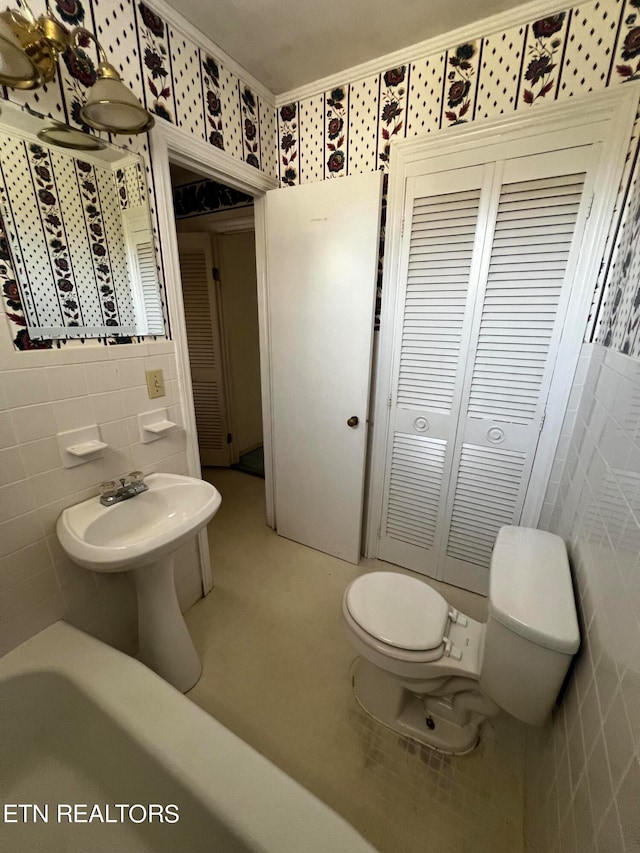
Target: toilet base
(423,719)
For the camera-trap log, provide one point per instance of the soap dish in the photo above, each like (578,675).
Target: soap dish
(160,427)
(86,448)
(78,446)
(154,425)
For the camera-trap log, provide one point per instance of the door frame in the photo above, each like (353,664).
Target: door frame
(618,109)
(169,143)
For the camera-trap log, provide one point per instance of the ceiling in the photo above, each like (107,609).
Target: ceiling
(288,43)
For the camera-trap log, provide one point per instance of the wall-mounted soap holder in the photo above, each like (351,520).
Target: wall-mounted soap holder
(78,446)
(154,425)
(86,448)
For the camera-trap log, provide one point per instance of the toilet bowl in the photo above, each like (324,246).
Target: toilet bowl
(434,674)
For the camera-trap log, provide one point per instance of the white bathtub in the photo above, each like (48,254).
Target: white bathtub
(87,732)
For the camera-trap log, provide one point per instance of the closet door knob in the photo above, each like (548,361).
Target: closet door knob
(353,421)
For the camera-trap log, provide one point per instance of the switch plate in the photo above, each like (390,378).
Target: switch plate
(155,383)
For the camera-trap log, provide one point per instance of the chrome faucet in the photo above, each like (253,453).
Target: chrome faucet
(111,493)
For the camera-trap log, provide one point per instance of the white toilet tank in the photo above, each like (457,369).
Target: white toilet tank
(532,629)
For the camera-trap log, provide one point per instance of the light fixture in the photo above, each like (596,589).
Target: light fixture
(30,49)
(69,137)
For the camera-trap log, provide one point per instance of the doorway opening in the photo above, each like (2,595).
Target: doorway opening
(216,247)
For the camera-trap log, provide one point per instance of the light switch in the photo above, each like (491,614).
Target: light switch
(155,383)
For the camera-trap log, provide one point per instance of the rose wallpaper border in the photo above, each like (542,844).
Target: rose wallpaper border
(544,50)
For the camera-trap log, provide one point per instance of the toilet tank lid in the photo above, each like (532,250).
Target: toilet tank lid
(530,589)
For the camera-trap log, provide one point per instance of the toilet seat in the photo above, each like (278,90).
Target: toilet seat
(399,611)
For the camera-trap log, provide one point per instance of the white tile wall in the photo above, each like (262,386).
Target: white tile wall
(41,393)
(583,770)
(564,443)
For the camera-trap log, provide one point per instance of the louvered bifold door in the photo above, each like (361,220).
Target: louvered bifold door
(203,339)
(528,270)
(440,267)
(145,289)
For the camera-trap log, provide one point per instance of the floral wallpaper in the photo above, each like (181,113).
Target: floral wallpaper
(203,197)
(177,79)
(581,49)
(62,221)
(213,103)
(336,131)
(288,124)
(575,51)
(546,40)
(153,36)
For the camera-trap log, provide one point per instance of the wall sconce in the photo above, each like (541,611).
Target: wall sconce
(29,52)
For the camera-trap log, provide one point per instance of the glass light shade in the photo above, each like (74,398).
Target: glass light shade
(16,69)
(111,106)
(69,137)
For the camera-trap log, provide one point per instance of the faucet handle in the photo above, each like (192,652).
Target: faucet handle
(136,478)
(108,488)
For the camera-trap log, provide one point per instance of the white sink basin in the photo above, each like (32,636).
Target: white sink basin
(141,535)
(140,530)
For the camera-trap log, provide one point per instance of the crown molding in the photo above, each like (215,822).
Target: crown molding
(200,40)
(520,15)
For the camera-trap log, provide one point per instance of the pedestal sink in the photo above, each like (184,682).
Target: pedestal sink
(141,535)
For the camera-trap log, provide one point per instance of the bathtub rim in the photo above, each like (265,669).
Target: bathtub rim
(221,770)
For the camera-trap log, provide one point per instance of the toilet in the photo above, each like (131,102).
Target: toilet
(433,674)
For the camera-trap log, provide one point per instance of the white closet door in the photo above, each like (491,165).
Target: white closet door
(441,256)
(488,274)
(517,328)
(205,351)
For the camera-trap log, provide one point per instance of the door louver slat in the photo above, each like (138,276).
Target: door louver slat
(414,488)
(206,397)
(479,509)
(148,272)
(197,311)
(511,312)
(435,303)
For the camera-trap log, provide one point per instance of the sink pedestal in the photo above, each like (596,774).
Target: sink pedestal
(165,644)
(142,535)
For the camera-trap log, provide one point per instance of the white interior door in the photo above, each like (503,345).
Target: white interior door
(488,258)
(202,322)
(322,258)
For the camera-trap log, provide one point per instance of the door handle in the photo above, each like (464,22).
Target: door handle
(353,421)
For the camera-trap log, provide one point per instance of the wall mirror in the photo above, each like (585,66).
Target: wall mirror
(78,227)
